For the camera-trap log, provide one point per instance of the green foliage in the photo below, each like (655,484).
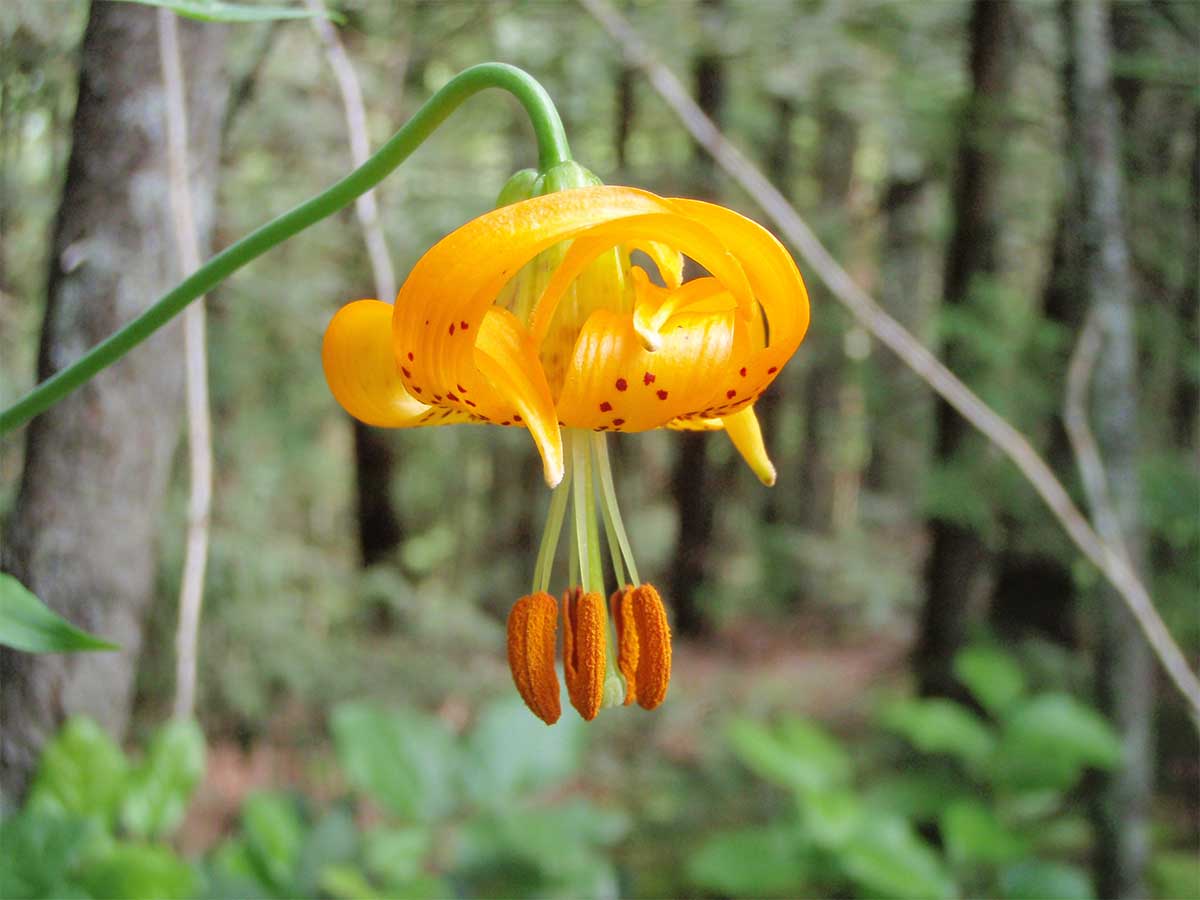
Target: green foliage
(224,11)
(466,815)
(994,790)
(26,623)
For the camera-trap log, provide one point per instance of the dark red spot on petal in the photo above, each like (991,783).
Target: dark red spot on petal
(452,328)
(662,395)
(617,423)
(470,403)
(517,418)
(647,378)
(437,398)
(605,406)
(772,370)
(622,384)
(416,390)
(410,356)
(450,396)
(731,394)
(506,422)
(461,389)
(742,371)
(407,374)
(464,325)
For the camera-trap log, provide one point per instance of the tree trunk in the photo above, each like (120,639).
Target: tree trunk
(83,532)
(692,480)
(958,570)
(1124,667)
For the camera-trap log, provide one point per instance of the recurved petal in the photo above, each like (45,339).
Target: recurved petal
(361,368)
(505,355)
(614,383)
(742,428)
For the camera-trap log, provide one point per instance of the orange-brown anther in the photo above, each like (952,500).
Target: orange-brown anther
(531,632)
(584,645)
(654,646)
(621,604)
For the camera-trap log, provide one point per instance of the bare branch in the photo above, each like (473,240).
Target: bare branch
(191,590)
(1106,557)
(360,148)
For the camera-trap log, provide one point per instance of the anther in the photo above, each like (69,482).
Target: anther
(654,646)
(621,604)
(584,648)
(531,633)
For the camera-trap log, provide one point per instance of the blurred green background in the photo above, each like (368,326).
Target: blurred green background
(357,731)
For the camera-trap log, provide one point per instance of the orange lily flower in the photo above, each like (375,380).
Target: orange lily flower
(533,316)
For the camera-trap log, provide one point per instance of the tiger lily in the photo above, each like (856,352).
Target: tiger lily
(534,316)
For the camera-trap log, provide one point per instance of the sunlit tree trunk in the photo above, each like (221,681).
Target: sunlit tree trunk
(83,533)
(959,566)
(1124,666)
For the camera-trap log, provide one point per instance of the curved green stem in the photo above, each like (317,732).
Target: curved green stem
(552,149)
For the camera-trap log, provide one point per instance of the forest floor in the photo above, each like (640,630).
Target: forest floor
(749,665)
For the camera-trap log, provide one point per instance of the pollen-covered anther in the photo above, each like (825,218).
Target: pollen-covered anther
(621,605)
(585,642)
(531,636)
(653,667)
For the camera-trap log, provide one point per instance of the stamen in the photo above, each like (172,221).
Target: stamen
(621,605)
(612,512)
(554,522)
(531,636)
(654,646)
(585,642)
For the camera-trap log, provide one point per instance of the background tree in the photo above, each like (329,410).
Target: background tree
(82,534)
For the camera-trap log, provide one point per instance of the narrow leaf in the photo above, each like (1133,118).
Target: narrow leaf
(26,623)
(225,11)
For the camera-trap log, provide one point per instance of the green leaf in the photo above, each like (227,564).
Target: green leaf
(973,835)
(158,790)
(38,854)
(941,726)
(26,623)
(798,755)
(405,760)
(992,676)
(81,774)
(224,11)
(274,834)
(1036,880)
(831,817)
(533,756)
(396,856)
(137,872)
(750,862)
(1048,742)
(887,859)
(332,842)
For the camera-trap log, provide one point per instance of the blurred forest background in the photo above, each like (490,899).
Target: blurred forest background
(894,676)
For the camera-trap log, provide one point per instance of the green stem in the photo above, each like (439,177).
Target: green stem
(552,149)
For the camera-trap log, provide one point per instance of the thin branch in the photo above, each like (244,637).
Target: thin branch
(1083,442)
(365,207)
(1106,557)
(191,591)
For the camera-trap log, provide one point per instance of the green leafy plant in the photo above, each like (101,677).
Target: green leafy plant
(993,790)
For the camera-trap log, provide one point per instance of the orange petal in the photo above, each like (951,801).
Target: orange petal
(614,383)
(505,355)
(742,428)
(362,373)
(531,635)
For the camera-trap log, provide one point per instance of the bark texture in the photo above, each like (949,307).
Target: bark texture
(958,570)
(82,534)
(1124,667)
